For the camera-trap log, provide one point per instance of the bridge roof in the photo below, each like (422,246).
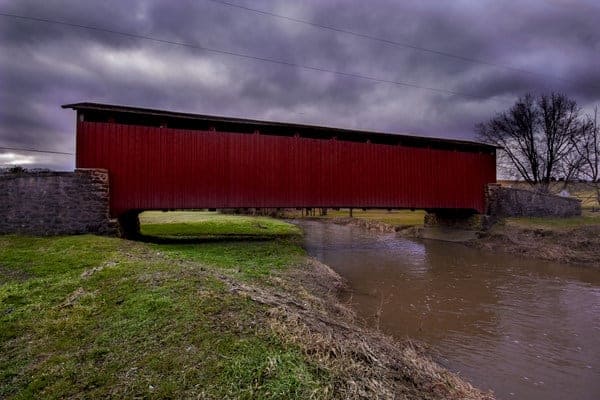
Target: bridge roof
(99,112)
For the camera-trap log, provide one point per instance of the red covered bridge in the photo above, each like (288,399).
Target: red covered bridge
(167,160)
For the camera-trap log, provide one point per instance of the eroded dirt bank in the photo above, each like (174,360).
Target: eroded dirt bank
(577,245)
(304,309)
(472,307)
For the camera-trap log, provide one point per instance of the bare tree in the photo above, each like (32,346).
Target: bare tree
(587,147)
(570,168)
(536,135)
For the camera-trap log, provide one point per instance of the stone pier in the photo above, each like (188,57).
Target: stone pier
(55,203)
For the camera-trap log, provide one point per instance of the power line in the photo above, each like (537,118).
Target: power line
(390,42)
(35,150)
(242,55)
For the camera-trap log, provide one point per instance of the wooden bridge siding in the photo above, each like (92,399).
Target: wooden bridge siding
(161,168)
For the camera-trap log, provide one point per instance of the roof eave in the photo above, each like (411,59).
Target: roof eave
(216,118)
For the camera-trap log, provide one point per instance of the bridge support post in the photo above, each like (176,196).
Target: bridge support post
(129,224)
(456,219)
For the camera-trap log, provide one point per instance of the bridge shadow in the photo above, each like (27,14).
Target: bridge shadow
(209,238)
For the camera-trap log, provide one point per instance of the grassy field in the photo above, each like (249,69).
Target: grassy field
(395,217)
(590,215)
(412,218)
(588,218)
(586,192)
(97,317)
(582,191)
(89,316)
(198,224)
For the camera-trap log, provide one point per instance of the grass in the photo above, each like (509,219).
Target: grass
(88,316)
(586,192)
(587,218)
(582,191)
(395,217)
(253,259)
(180,224)
(246,261)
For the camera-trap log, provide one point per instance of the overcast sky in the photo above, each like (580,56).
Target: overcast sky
(43,66)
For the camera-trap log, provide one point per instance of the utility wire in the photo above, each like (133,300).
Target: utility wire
(242,55)
(390,42)
(35,150)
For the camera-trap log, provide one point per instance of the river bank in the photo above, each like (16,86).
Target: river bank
(305,309)
(573,245)
(88,316)
(567,240)
(522,327)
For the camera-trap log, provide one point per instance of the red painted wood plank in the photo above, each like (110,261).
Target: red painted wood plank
(163,168)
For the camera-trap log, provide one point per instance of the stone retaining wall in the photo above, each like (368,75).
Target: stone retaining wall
(457,219)
(509,202)
(55,203)
(502,202)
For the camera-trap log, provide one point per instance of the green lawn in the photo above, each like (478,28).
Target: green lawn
(587,218)
(395,217)
(201,224)
(96,317)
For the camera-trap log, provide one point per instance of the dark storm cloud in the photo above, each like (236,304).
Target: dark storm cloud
(44,65)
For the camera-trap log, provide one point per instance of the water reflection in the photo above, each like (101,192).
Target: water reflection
(526,329)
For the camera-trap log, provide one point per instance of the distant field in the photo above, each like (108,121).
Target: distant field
(411,218)
(583,191)
(587,218)
(395,217)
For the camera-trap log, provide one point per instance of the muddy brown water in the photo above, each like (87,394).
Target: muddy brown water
(526,329)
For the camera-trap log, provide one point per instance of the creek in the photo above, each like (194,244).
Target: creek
(526,329)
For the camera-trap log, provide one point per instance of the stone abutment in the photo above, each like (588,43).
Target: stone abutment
(55,203)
